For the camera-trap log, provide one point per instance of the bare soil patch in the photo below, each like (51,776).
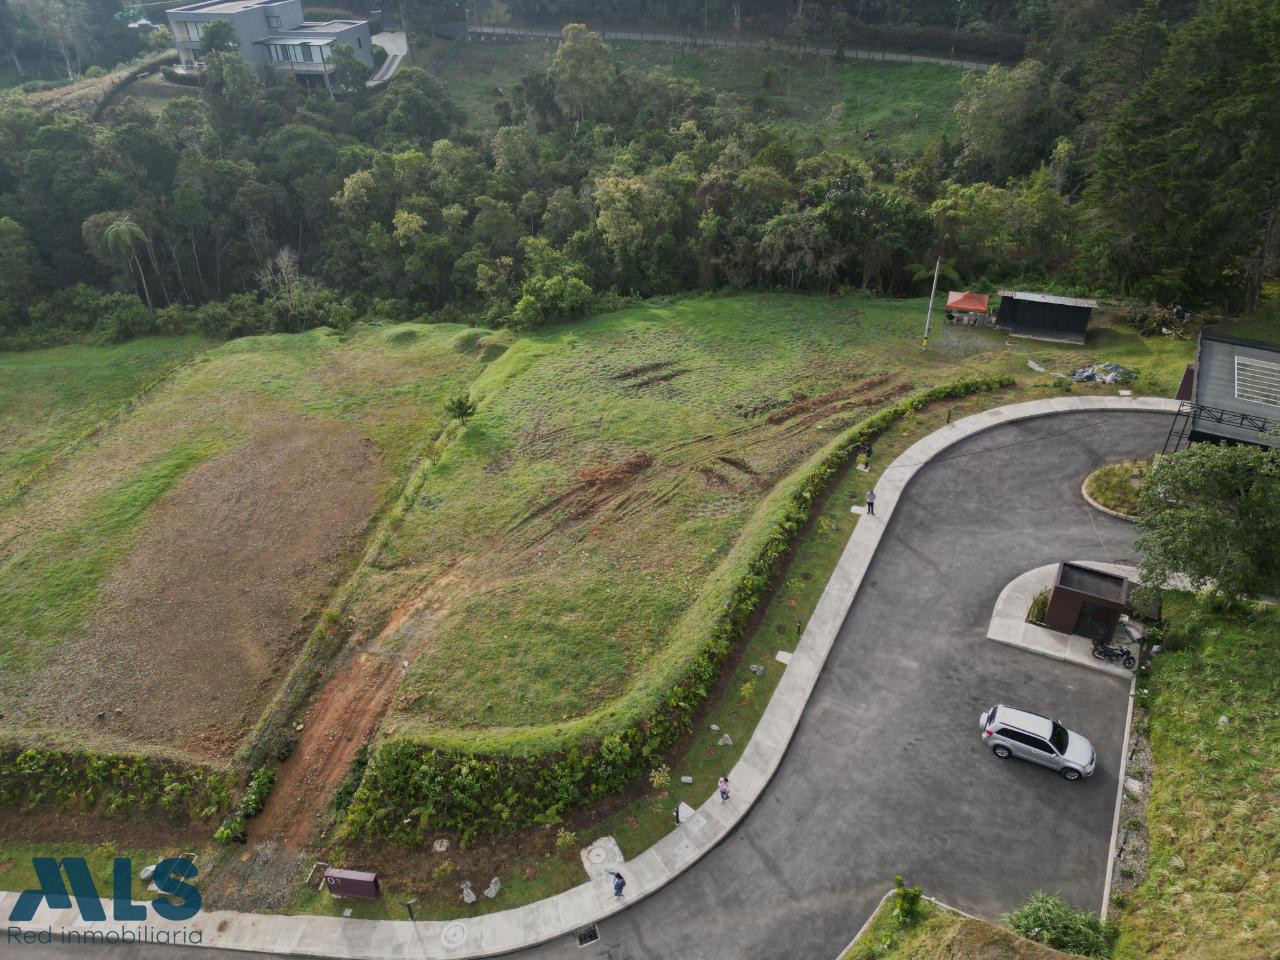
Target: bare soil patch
(198,623)
(344,716)
(826,400)
(51,824)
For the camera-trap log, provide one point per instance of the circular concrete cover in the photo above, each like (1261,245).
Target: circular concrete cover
(597,855)
(453,936)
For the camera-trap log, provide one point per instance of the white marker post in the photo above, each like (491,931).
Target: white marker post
(929,316)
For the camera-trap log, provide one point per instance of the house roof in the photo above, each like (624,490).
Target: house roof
(967,301)
(1240,376)
(222,6)
(1048,298)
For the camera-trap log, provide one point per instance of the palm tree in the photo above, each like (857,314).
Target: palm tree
(121,239)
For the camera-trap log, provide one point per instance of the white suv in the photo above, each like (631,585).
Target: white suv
(1016,733)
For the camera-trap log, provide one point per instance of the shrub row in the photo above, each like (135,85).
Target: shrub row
(413,787)
(114,783)
(251,804)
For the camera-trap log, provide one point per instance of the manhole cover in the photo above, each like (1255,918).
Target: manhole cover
(598,855)
(454,935)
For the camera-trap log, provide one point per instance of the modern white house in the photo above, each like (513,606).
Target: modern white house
(270,32)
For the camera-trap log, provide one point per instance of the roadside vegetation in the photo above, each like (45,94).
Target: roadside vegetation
(1116,485)
(1211,891)
(909,927)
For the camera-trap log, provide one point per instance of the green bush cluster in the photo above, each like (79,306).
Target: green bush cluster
(251,804)
(412,789)
(1049,920)
(116,784)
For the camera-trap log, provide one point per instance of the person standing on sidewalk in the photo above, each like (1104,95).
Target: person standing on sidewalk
(871,503)
(619,884)
(724,789)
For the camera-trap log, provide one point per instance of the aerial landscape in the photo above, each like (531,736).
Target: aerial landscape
(634,478)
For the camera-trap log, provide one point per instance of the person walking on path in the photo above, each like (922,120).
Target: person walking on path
(724,789)
(619,884)
(871,503)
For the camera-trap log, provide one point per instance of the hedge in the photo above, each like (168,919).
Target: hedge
(117,784)
(479,783)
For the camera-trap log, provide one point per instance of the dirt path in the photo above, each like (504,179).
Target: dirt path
(343,717)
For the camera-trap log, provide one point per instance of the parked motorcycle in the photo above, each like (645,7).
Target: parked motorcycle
(1114,653)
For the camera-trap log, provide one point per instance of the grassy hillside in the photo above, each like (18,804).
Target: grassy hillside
(1213,885)
(560,541)
(48,398)
(199,529)
(905,105)
(562,537)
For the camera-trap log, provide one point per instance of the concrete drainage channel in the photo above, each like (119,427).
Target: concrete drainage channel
(577,912)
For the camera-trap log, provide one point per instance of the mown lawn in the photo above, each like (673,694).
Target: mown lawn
(905,106)
(50,397)
(1213,885)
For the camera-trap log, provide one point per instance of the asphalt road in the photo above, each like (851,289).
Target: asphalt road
(886,773)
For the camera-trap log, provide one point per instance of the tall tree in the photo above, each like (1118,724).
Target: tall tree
(1210,513)
(580,72)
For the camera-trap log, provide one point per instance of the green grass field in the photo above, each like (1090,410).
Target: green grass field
(1212,890)
(905,105)
(611,467)
(49,398)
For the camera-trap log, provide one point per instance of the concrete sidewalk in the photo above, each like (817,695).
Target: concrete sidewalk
(658,866)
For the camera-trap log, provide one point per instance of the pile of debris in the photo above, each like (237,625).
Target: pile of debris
(1176,322)
(1103,373)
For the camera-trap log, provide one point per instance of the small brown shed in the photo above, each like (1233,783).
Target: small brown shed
(1085,602)
(354,884)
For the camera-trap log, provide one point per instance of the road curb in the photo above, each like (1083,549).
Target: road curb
(1115,821)
(590,903)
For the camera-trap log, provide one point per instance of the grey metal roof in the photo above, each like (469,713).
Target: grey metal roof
(1048,298)
(1240,376)
(1106,586)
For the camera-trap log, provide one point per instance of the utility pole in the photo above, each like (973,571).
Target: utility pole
(929,316)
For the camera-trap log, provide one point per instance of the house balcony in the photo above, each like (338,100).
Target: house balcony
(303,66)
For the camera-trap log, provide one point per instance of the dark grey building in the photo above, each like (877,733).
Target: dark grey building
(1236,393)
(1044,315)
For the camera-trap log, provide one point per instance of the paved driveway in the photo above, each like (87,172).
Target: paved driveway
(886,773)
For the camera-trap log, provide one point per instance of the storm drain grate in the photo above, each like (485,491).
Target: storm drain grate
(589,935)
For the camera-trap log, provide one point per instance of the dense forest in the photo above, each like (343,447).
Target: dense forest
(1134,150)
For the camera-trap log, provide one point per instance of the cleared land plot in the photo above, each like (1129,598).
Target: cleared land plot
(559,544)
(906,106)
(48,398)
(156,585)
